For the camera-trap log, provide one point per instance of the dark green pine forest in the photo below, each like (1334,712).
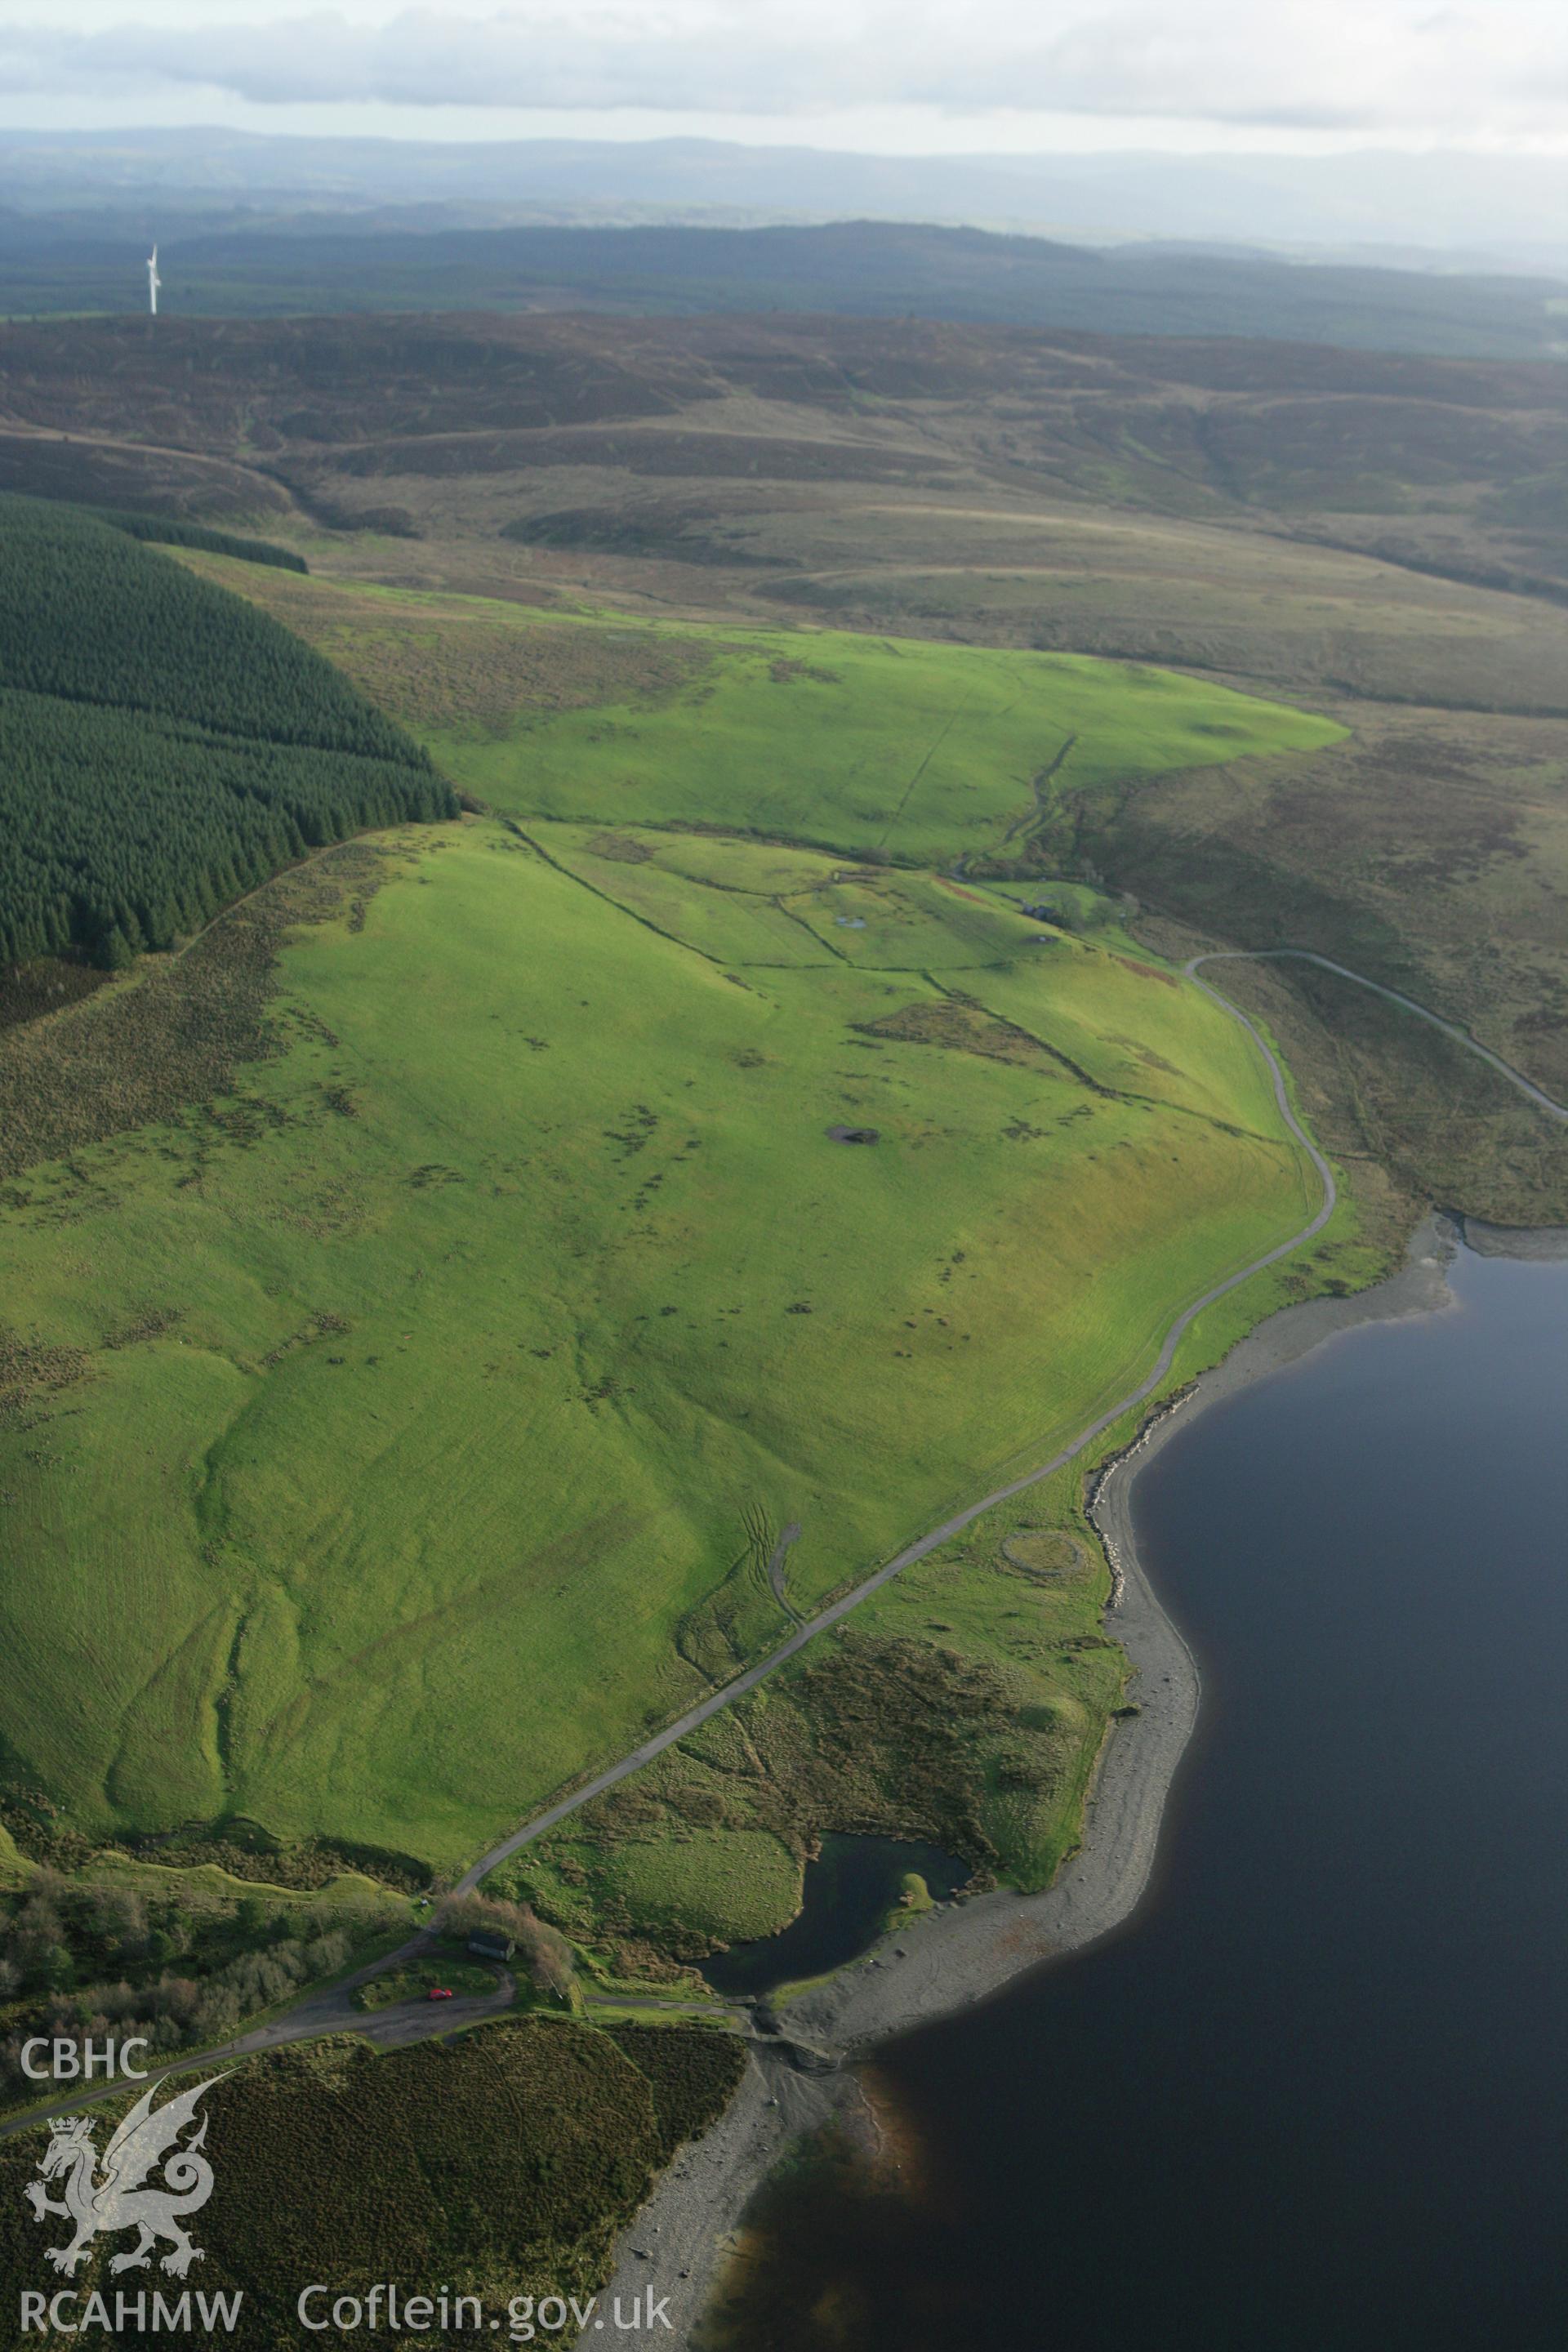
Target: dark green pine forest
(164,746)
(169,530)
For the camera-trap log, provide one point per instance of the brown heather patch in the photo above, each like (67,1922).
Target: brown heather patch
(962,1028)
(29,991)
(450,673)
(620,849)
(249,1851)
(691,2073)
(786,669)
(505,2161)
(30,1370)
(176,1034)
(433,668)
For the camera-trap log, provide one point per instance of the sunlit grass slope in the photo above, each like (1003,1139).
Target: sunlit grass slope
(925,751)
(464,1365)
(852,742)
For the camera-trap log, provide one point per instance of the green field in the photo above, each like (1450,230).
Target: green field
(390,1439)
(926,752)
(882,745)
(963,1704)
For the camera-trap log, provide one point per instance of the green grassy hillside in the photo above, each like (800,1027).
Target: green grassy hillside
(878,747)
(423,1429)
(923,752)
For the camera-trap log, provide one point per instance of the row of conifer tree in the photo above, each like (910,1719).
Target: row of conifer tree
(171,531)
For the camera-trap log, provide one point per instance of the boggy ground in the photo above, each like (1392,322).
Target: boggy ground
(962,1707)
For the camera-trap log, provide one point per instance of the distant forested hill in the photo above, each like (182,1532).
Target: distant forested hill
(163,747)
(228,265)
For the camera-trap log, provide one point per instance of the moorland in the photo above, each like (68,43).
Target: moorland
(1382,540)
(450,1325)
(275,260)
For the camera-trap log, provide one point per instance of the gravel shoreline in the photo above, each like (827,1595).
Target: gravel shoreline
(960,1954)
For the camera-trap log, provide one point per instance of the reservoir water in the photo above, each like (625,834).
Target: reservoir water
(851,1890)
(1315,2093)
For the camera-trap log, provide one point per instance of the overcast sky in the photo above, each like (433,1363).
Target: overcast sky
(892,75)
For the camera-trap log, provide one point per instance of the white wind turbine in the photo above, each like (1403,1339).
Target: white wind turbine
(153,280)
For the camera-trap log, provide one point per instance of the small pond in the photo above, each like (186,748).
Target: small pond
(1315,2097)
(849,1890)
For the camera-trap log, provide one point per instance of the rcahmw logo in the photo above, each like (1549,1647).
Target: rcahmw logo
(126,2194)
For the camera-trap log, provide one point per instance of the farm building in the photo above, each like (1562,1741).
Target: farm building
(483,1946)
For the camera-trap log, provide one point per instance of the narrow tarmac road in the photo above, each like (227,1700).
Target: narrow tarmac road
(1526,1087)
(330,2010)
(838,1610)
(332,2013)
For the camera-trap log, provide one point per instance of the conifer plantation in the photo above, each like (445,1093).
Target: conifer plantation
(170,530)
(164,746)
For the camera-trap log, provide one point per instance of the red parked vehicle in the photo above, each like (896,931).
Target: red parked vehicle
(439,1992)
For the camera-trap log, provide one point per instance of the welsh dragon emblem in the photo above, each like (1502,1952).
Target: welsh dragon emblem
(119,2198)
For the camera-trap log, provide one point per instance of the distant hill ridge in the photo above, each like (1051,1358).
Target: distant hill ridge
(1437,209)
(224,263)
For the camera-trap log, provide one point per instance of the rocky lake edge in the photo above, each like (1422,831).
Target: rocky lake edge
(961,1953)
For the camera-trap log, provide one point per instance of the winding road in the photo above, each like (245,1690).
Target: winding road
(331,2012)
(1526,1087)
(837,1611)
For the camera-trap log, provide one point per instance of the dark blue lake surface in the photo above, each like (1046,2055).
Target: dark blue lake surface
(849,1890)
(1315,2095)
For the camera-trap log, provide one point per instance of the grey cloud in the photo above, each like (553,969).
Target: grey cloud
(1334,64)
